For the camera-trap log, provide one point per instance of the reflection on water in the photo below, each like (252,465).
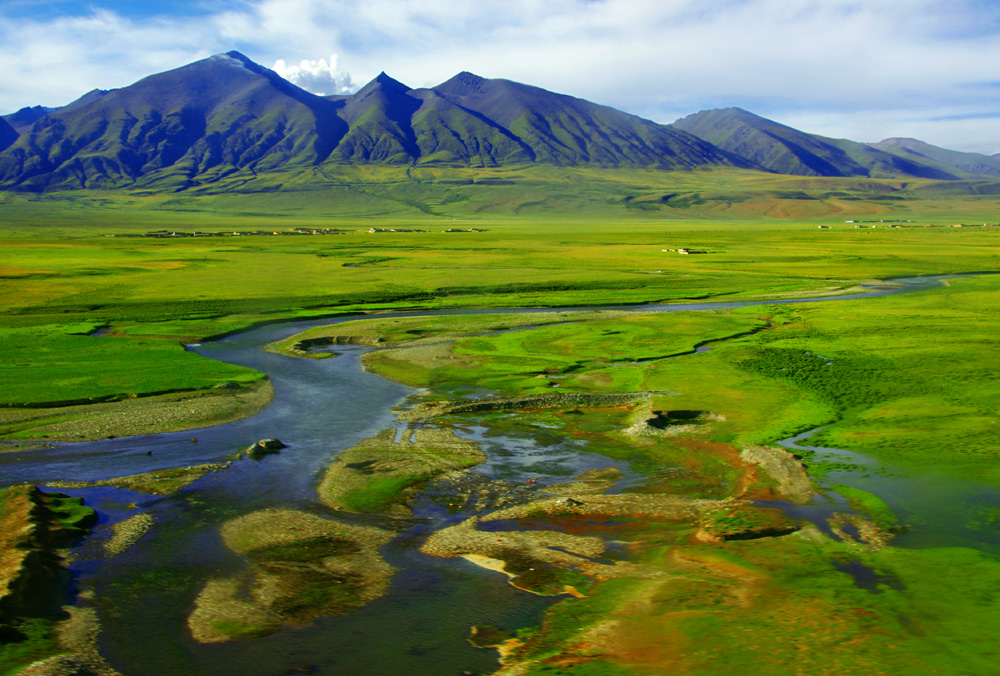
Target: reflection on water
(937,510)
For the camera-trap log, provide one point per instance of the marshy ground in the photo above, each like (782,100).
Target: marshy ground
(604,459)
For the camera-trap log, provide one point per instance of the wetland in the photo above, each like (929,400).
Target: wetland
(586,488)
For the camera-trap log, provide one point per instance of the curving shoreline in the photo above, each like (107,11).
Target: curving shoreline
(156,414)
(758,459)
(182,411)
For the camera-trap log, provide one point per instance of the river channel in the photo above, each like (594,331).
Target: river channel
(321,407)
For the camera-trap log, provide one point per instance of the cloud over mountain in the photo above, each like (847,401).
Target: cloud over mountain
(852,68)
(318,77)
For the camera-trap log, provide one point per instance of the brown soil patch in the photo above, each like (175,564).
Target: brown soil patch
(793,482)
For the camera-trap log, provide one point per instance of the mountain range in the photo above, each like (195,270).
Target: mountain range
(227,116)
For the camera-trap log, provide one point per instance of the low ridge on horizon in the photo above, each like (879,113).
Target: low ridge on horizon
(196,124)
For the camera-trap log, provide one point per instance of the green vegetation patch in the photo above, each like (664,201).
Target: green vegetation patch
(48,365)
(25,641)
(868,504)
(378,474)
(907,378)
(158,482)
(301,567)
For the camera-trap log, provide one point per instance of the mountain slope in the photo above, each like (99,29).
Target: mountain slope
(564,130)
(784,150)
(379,129)
(24,118)
(183,127)
(8,135)
(948,160)
(228,117)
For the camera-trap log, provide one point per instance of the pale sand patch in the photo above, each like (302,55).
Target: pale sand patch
(127,533)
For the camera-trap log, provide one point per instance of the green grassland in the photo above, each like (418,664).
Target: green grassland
(924,359)
(905,378)
(370,193)
(711,614)
(61,269)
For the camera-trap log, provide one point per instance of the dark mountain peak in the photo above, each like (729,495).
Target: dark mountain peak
(728,110)
(726,116)
(30,111)
(239,56)
(382,83)
(945,160)
(27,116)
(901,141)
(222,78)
(463,84)
(234,59)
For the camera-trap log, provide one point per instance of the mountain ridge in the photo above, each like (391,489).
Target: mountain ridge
(782,149)
(227,116)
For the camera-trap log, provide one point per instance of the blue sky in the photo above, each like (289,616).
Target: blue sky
(864,70)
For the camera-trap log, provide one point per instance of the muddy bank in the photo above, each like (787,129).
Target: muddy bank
(591,482)
(553,562)
(430,410)
(382,475)
(34,582)
(173,412)
(670,423)
(301,345)
(300,567)
(78,635)
(158,482)
(33,527)
(793,481)
(539,561)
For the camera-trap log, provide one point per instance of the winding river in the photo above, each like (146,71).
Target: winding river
(322,407)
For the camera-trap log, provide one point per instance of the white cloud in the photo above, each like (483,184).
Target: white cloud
(880,68)
(319,76)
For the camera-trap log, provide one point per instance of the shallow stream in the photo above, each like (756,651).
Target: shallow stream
(320,408)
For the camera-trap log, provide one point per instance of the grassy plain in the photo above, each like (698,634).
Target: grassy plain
(908,378)
(62,274)
(899,377)
(913,371)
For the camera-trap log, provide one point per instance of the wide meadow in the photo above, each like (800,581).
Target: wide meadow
(103,295)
